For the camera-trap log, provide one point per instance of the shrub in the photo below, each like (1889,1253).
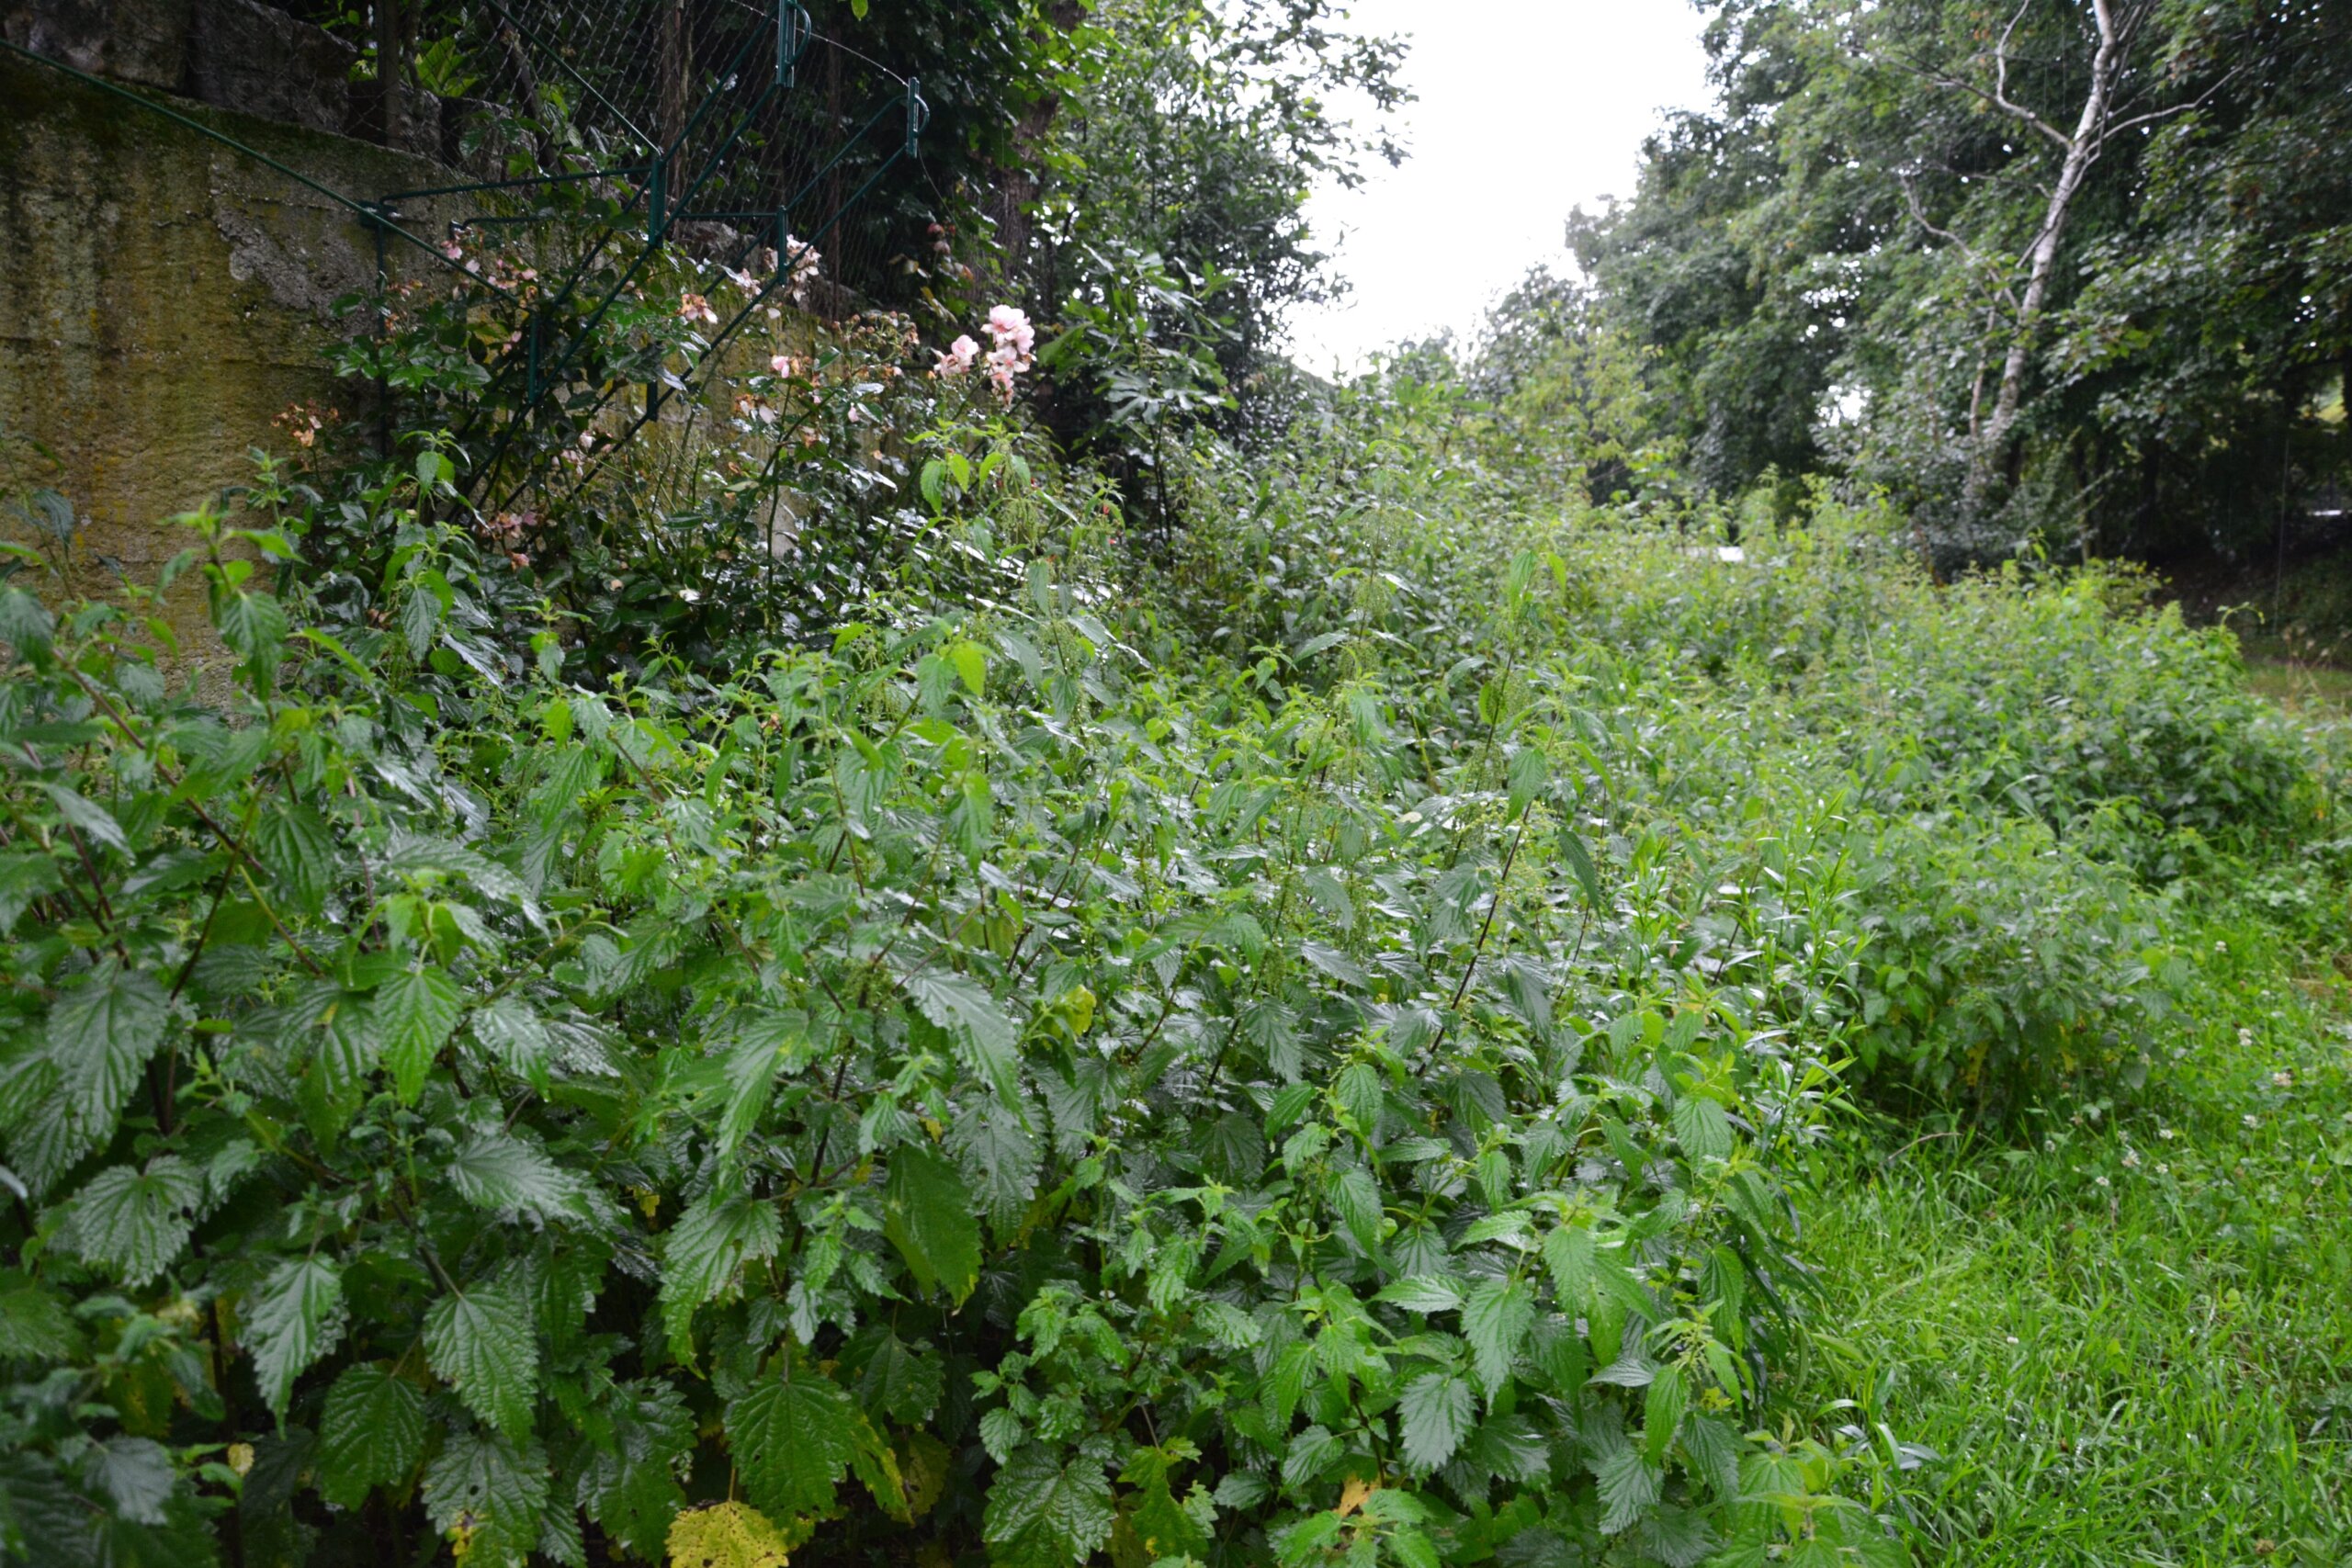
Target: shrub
(960,1085)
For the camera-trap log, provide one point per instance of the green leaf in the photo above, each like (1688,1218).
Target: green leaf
(1424,1293)
(719,1234)
(1435,1412)
(420,621)
(291,1322)
(1568,1255)
(1044,1513)
(296,844)
(136,1224)
(1357,1197)
(513,1028)
(1495,1320)
(1000,1155)
(972,665)
(927,1215)
(348,1046)
(792,1440)
(498,1489)
(496,1170)
(481,1343)
(1529,772)
(1701,1127)
(1629,1486)
(136,1475)
(893,1378)
(25,623)
(416,1010)
(1579,859)
(253,625)
(1662,1409)
(762,1042)
(36,1323)
(101,1033)
(630,1485)
(371,1434)
(23,878)
(88,816)
(963,1006)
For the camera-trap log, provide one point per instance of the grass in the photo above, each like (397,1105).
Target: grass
(2320,690)
(2126,1338)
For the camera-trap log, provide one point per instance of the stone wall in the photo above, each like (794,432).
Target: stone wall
(162,296)
(234,54)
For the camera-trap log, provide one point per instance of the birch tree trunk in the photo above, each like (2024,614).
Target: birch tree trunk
(2078,152)
(2081,149)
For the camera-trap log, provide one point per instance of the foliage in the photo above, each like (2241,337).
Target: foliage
(1169,231)
(1831,263)
(2002,778)
(967,1080)
(2041,1331)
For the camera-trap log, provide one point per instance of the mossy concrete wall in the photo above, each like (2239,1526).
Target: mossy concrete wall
(163,296)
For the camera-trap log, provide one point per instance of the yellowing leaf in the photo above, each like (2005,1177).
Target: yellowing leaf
(922,1463)
(726,1535)
(1354,1495)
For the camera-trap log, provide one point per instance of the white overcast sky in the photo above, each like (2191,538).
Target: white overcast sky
(1526,108)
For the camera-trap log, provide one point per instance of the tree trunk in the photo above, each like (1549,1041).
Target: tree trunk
(677,69)
(391,47)
(2080,151)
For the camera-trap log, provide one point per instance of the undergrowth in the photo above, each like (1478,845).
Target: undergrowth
(1365,1031)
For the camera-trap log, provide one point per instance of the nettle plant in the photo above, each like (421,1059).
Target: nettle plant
(959,1091)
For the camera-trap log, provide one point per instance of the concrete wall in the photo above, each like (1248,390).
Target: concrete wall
(163,296)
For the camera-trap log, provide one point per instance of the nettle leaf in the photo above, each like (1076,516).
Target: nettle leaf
(1512,1448)
(894,1378)
(726,1535)
(253,625)
(927,1215)
(792,1437)
(513,1029)
(296,844)
(101,1033)
(1436,1412)
(1496,1320)
(416,1011)
(999,1156)
(135,1474)
(1701,1128)
(1423,1293)
(1043,1513)
(1579,859)
(1629,1486)
(36,1323)
(295,1318)
(93,819)
(1662,1409)
(496,1488)
(701,1255)
(135,1224)
(962,1005)
(1568,1255)
(761,1043)
(498,1171)
(630,1485)
(24,876)
(348,1045)
(370,1433)
(1357,1197)
(1529,771)
(483,1344)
